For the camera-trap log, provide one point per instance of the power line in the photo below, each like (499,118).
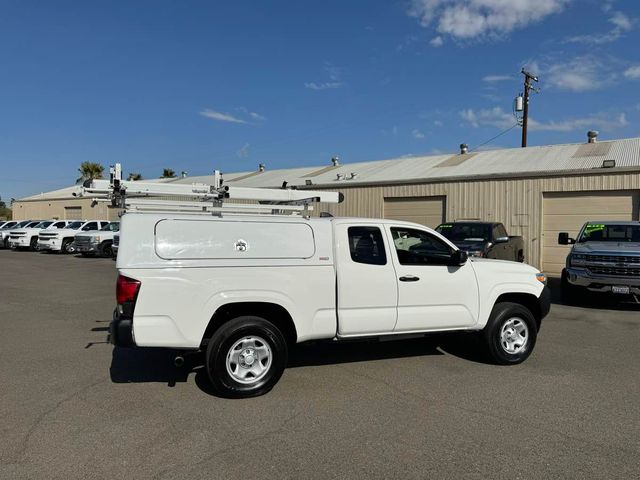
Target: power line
(498,135)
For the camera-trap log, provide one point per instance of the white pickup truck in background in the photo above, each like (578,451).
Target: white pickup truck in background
(62,240)
(97,242)
(27,237)
(5,232)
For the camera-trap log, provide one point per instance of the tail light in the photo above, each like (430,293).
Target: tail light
(127,289)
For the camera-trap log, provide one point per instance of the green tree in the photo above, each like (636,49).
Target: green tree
(134,176)
(5,213)
(89,171)
(168,173)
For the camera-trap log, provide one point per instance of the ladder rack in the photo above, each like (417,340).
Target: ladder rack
(201,198)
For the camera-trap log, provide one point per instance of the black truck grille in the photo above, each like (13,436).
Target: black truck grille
(613,259)
(616,271)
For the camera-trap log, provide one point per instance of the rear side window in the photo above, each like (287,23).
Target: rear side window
(366,245)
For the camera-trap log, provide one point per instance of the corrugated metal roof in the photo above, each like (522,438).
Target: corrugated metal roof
(513,161)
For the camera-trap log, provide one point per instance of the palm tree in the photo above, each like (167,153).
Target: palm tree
(168,173)
(134,176)
(89,171)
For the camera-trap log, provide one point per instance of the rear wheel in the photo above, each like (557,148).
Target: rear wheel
(105,249)
(510,333)
(246,357)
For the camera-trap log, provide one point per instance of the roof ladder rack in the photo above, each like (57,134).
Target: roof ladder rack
(201,197)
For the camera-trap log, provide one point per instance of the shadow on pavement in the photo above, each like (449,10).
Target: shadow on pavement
(140,365)
(588,299)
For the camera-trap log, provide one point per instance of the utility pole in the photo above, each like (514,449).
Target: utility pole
(528,77)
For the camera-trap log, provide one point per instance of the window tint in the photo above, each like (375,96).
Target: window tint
(59,225)
(415,247)
(461,232)
(90,226)
(111,227)
(499,231)
(366,245)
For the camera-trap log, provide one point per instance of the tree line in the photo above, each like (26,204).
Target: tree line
(93,170)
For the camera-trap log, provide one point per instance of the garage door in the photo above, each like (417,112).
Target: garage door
(567,212)
(427,211)
(73,213)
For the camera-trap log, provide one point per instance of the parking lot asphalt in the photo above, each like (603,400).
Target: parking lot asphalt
(72,406)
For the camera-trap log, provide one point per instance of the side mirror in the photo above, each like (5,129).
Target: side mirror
(564,239)
(501,240)
(458,258)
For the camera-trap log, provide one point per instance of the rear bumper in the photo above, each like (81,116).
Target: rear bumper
(580,277)
(121,331)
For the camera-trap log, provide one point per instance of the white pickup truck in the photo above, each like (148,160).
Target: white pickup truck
(7,227)
(62,240)
(97,242)
(27,237)
(246,288)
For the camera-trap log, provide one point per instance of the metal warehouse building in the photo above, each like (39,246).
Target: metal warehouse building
(536,191)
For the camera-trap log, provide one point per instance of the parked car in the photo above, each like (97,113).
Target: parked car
(246,288)
(484,239)
(62,240)
(8,228)
(116,245)
(97,242)
(28,237)
(605,257)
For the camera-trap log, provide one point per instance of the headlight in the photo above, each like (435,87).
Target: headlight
(577,259)
(96,239)
(476,253)
(541,277)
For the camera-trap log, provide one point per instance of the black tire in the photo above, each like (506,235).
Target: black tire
(105,249)
(67,246)
(502,317)
(33,244)
(521,256)
(220,347)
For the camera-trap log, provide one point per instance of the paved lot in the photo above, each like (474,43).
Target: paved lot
(73,407)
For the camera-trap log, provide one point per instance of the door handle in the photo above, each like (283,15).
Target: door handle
(409,278)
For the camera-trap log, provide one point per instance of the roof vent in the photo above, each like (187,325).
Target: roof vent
(592,136)
(335,161)
(353,175)
(183,174)
(464,148)
(340,176)
(261,167)
(609,164)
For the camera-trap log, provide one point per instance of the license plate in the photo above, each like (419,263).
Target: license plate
(623,290)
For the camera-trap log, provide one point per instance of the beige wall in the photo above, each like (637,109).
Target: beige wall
(47,209)
(515,202)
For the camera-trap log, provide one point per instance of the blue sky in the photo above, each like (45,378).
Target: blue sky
(195,85)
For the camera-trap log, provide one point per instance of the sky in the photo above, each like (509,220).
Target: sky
(203,85)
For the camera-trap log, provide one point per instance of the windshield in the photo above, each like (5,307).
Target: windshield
(459,232)
(111,227)
(10,225)
(43,224)
(75,225)
(59,225)
(601,232)
(32,224)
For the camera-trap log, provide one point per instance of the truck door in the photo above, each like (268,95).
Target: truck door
(432,295)
(367,287)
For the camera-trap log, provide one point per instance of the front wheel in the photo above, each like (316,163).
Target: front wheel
(510,333)
(246,357)
(105,249)
(68,246)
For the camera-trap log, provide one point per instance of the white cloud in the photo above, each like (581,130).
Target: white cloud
(243,152)
(633,72)
(496,78)
(436,41)
(257,116)
(498,118)
(621,24)
(335,80)
(581,74)
(220,116)
(417,134)
(438,123)
(474,19)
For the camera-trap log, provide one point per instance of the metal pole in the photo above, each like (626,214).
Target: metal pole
(525,113)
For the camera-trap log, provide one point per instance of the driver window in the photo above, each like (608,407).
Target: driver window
(90,226)
(415,247)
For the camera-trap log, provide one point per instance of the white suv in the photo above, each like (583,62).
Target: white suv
(62,240)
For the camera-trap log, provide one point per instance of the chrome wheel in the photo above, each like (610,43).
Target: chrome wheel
(514,335)
(249,359)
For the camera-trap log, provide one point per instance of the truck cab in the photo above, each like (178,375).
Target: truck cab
(605,257)
(61,240)
(97,242)
(484,239)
